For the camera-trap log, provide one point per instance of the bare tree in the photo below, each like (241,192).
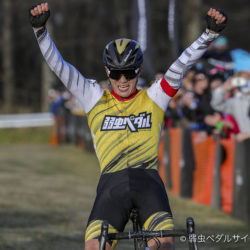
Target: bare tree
(8,72)
(191,21)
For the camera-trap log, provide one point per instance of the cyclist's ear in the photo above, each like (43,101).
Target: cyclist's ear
(107,71)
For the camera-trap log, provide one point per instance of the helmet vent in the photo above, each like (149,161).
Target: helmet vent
(123,54)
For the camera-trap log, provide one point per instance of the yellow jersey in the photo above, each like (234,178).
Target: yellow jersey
(126,133)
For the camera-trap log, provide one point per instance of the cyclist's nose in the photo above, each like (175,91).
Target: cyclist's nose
(123,79)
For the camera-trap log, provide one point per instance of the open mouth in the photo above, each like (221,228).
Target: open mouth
(123,88)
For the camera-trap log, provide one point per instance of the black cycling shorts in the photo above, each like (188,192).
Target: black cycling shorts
(118,193)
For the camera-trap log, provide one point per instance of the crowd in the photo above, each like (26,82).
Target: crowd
(214,98)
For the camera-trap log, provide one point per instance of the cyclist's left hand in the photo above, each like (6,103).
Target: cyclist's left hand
(216,20)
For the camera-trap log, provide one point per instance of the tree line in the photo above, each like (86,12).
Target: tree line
(81,29)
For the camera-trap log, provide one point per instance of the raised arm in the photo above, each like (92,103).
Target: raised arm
(171,81)
(87,91)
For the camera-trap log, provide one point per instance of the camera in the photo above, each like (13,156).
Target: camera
(242,83)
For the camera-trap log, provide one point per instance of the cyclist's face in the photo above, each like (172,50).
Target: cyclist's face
(123,87)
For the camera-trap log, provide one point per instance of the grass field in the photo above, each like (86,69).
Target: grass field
(46,194)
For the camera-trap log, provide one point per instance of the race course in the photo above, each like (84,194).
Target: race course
(47,192)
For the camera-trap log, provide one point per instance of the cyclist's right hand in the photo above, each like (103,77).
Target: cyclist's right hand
(38,15)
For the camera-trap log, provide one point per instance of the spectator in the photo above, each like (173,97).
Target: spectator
(224,124)
(216,81)
(219,58)
(172,116)
(234,98)
(188,80)
(56,101)
(196,103)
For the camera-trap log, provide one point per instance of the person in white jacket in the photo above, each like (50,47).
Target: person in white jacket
(238,105)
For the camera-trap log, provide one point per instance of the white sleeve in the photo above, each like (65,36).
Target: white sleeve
(162,91)
(87,91)
(188,58)
(157,94)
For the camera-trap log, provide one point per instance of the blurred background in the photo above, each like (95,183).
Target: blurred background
(81,29)
(48,167)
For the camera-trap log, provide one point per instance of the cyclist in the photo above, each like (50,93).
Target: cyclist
(125,124)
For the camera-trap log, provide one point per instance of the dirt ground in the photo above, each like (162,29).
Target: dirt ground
(46,194)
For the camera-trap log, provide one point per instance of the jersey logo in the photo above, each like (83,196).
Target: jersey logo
(134,123)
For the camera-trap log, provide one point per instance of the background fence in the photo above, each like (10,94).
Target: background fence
(209,170)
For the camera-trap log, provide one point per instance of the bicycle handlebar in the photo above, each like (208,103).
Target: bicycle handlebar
(190,231)
(147,234)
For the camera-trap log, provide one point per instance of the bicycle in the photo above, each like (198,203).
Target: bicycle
(141,236)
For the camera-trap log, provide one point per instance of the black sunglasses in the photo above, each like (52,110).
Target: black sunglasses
(128,73)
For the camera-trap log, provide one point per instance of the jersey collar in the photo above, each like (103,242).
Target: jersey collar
(119,98)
